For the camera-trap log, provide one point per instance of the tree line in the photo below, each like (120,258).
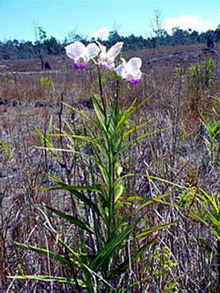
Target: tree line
(45,46)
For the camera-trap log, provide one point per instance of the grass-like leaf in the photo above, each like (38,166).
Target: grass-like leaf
(79,223)
(153,229)
(81,113)
(46,278)
(79,195)
(124,266)
(105,254)
(56,256)
(131,142)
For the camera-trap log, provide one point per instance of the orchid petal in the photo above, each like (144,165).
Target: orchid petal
(115,50)
(134,64)
(121,71)
(102,48)
(75,49)
(92,50)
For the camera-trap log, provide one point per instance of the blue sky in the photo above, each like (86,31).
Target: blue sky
(97,18)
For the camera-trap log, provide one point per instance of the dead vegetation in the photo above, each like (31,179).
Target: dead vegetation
(29,97)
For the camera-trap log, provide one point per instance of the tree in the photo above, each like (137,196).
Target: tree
(40,34)
(217,34)
(180,37)
(156,25)
(52,46)
(114,37)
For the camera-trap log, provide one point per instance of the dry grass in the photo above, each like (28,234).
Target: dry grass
(178,155)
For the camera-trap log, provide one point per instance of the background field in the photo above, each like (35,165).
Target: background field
(30,96)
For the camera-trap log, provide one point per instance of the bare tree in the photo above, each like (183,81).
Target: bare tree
(156,26)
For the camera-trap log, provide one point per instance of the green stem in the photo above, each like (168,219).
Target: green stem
(110,198)
(116,102)
(113,163)
(111,170)
(101,92)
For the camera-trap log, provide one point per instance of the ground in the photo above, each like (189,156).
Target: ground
(29,97)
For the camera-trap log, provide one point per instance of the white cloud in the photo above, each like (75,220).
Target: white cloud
(101,33)
(195,22)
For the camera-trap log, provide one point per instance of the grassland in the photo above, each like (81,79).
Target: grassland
(178,100)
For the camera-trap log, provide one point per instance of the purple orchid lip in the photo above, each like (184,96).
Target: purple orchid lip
(103,65)
(76,66)
(134,81)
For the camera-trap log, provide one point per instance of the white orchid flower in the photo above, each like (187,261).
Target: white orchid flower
(81,54)
(106,59)
(130,70)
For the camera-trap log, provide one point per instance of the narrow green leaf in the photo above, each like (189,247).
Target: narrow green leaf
(102,168)
(128,144)
(164,202)
(81,113)
(149,200)
(46,252)
(140,105)
(215,232)
(119,191)
(131,107)
(119,127)
(212,201)
(46,278)
(99,114)
(136,128)
(198,218)
(153,229)
(134,198)
(71,219)
(70,250)
(74,192)
(82,259)
(83,138)
(46,140)
(123,267)
(151,177)
(214,221)
(106,252)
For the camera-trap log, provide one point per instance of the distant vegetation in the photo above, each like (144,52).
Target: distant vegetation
(107,186)
(51,46)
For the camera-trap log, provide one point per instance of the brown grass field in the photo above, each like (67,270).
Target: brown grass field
(29,97)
